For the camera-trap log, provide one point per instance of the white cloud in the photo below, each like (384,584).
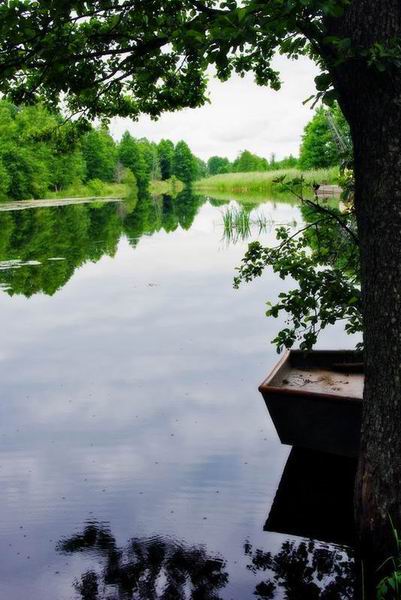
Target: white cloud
(240,115)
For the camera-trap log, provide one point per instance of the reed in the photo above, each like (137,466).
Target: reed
(237,224)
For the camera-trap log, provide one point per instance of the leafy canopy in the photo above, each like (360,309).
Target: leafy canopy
(126,57)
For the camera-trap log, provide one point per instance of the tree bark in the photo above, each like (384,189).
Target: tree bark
(371,101)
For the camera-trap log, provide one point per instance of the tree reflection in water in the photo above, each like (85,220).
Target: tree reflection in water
(41,248)
(303,570)
(146,568)
(159,568)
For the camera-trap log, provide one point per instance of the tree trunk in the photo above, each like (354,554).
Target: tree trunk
(371,101)
(378,208)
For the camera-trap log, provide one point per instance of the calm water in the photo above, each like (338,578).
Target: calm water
(137,458)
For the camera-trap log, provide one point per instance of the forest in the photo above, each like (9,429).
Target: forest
(40,154)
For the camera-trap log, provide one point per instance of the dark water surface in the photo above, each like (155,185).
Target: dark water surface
(137,458)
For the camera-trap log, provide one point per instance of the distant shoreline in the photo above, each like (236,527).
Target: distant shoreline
(263,181)
(51,202)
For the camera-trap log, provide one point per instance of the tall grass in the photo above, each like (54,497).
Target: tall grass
(263,181)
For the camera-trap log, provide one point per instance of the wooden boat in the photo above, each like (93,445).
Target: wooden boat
(315,400)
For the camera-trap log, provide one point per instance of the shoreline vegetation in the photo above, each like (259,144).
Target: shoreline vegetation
(42,157)
(227,186)
(263,182)
(102,189)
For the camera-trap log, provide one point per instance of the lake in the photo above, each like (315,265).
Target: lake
(137,457)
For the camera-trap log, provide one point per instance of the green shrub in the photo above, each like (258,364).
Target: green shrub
(96,187)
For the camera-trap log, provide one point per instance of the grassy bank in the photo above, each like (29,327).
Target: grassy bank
(114,190)
(262,182)
(96,188)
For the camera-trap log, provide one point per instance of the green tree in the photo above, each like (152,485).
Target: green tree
(68,169)
(100,154)
(28,174)
(26,150)
(248,162)
(288,162)
(322,140)
(217,165)
(184,165)
(68,162)
(200,168)
(112,58)
(166,157)
(150,155)
(4,181)
(131,156)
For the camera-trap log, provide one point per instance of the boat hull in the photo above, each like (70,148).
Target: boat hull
(319,414)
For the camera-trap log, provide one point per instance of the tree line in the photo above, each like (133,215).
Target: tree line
(248,162)
(325,142)
(41,153)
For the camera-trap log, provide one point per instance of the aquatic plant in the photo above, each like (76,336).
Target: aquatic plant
(238,224)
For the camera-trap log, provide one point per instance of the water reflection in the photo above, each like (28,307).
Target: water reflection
(315,497)
(303,570)
(59,240)
(137,402)
(145,568)
(157,567)
(313,501)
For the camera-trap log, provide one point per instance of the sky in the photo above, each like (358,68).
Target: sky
(241,115)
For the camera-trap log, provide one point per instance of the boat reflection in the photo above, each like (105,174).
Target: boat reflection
(315,497)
